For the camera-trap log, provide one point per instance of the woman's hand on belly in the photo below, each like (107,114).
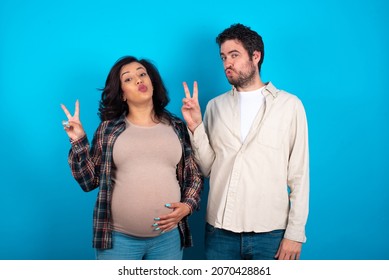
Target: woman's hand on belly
(170,221)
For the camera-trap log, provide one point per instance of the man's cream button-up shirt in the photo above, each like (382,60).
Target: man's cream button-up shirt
(261,184)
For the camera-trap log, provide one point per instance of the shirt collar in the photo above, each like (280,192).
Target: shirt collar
(120,120)
(270,89)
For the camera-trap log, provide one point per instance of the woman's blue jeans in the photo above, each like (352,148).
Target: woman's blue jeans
(166,246)
(222,244)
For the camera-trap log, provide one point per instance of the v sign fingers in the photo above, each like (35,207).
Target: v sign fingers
(67,113)
(73,125)
(191,108)
(76,116)
(195,91)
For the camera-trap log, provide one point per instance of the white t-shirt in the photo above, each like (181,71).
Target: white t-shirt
(250,103)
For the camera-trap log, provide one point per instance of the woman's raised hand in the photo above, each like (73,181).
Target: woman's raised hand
(73,125)
(191,108)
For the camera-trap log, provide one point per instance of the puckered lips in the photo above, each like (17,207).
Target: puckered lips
(229,72)
(142,88)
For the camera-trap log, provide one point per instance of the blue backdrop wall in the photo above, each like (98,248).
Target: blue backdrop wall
(332,54)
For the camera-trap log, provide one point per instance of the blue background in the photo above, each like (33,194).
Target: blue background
(332,54)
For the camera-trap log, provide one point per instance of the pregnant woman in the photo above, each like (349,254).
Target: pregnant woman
(141,161)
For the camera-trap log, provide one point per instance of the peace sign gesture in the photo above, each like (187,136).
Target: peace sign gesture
(191,107)
(73,126)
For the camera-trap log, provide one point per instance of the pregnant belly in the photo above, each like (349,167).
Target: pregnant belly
(134,213)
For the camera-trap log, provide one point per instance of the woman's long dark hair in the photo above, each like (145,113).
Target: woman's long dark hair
(112,105)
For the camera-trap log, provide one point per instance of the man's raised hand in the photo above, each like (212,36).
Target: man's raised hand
(191,108)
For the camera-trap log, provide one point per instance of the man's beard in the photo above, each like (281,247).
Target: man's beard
(243,79)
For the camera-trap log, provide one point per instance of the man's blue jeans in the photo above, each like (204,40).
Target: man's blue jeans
(222,244)
(166,246)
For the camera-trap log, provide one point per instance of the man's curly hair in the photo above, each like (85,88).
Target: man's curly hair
(250,39)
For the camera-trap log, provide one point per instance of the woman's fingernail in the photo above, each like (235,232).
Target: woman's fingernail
(155,224)
(157,219)
(162,232)
(168,205)
(157,229)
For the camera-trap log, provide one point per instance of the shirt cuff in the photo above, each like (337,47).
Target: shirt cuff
(197,135)
(295,235)
(79,145)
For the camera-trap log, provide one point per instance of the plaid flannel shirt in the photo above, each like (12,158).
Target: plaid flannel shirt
(92,168)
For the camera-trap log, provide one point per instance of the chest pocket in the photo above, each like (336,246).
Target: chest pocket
(271,135)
